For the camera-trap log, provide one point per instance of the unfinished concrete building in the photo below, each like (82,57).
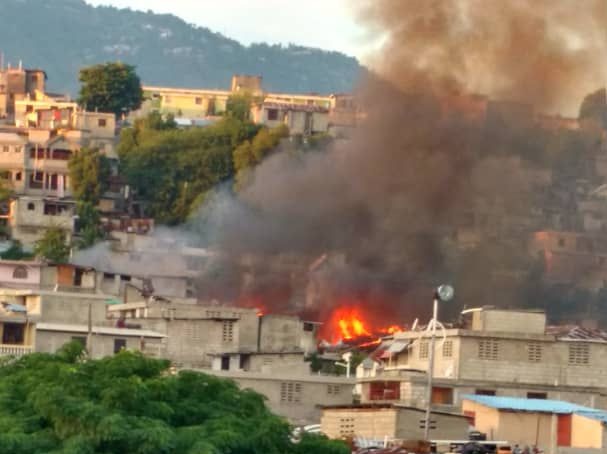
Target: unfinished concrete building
(492,352)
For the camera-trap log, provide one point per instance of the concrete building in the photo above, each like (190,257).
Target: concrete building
(43,321)
(554,426)
(295,395)
(491,352)
(304,114)
(17,84)
(220,337)
(391,422)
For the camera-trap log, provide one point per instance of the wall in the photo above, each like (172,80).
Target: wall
(102,345)
(361,422)
(33,274)
(513,364)
(586,432)
(71,308)
(515,427)
(447,427)
(511,321)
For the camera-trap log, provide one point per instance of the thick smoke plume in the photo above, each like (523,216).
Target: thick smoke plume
(548,52)
(388,201)
(374,220)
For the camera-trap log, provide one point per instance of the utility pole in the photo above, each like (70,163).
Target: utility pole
(430,368)
(89,337)
(443,293)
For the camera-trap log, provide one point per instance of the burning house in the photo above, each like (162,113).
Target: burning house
(491,351)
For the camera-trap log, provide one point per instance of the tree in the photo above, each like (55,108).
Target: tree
(53,246)
(128,403)
(250,153)
(89,173)
(89,227)
(110,87)
(239,106)
(172,169)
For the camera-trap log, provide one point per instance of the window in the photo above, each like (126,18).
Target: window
(448,349)
(29,108)
(31,206)
(423,349)
(119,345)
(579,354)
(333,390)
(227,333)
(125,278)
(20,272)
(485,392)
(272,114)
(225,362)
(488,349)
(536,395)
(290,393)
(561,242)
(102,122)
(18,176)
(198,101)
(108,276)
(17,149)
(307,326)
(5,148)
(534,352)
(13,334)
(442,396)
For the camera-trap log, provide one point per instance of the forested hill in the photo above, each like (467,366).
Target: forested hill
(61,36)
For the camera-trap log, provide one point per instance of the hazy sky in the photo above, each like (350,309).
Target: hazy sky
(327,24)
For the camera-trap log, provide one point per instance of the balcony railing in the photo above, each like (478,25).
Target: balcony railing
(15,350)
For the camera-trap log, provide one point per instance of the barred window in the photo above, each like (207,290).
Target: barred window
(423,349)
(228,331)
(290,392)
(488,349)
(579,353)
(333,390)
(534,352)
(448,349)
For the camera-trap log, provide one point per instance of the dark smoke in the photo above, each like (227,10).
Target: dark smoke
(390,201)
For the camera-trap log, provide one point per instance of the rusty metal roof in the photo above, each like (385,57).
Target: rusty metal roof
(577,333)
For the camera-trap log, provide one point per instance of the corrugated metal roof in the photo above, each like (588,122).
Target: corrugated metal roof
(577,333)
(398,346)
(107,330)
(537,405)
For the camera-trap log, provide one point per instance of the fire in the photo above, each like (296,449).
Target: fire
(351,323)
(351,326)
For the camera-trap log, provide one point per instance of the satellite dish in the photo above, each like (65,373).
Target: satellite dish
(445,293)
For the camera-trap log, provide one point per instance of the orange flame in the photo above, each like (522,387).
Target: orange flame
(349,322)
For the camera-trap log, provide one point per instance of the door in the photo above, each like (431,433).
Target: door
(563,430)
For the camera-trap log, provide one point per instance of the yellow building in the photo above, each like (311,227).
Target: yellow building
(552,425)
(303,113)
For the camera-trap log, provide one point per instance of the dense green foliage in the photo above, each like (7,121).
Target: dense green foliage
(165,49)
(53,246)
(130,404)
(251,152)
(16,252)
(110,87)
(89,173)
(173,169)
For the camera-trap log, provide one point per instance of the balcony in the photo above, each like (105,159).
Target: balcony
(15,350)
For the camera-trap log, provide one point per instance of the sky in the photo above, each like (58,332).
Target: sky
(326,24)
